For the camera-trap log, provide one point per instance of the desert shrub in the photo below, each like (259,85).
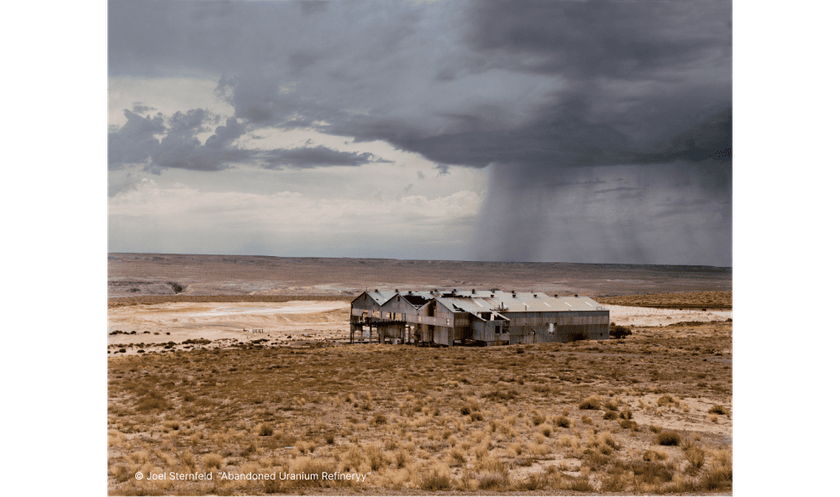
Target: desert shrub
(651,472)
(610,415)
(580,485)
(534,481)
(545,429)
(696,457)
(329,438)
(655,429)
(436,478)
(611,405)
(537,419)
(249,449)
(668,438)
(716,478)
(476,416)
(577,336)
(403,458)
(376,457)
(153,400)
(586,420)
(353,459)
(499,395)
(562,422)
(592,402)
(619,332)
(310,466)
(495,480)
(626,414)
(654,454)
(629,425)
(265,430)
(666,400)
(304,446)
(613,483)
(380,419)
(465,410)
(458,456)
(718,409)
(606,438)
(273,486)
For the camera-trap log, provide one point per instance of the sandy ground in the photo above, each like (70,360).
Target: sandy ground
(646,316)
(176,322)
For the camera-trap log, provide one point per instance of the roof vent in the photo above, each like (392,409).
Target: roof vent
(555,295)
(513,293)
(376,290)
(535,296)
(575,295)
(454,290)
(473,290)
(397,290)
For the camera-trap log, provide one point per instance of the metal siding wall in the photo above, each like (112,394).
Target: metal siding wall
(533,327)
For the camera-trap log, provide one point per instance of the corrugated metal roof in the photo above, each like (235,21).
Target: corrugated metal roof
(486,300)
(381,296)
(483,301)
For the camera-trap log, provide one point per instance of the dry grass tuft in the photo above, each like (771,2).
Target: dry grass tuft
(212,461)
(436,477)
(654,454)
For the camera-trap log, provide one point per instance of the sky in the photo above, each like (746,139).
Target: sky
(556,131)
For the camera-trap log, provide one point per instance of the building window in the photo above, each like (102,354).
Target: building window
(551,327)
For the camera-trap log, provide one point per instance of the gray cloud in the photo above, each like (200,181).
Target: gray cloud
(179,148)
(314,157)
(139,108)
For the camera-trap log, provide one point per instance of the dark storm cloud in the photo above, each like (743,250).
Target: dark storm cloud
(547,90)
(632,75)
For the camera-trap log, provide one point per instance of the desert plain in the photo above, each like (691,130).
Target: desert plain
(226,370)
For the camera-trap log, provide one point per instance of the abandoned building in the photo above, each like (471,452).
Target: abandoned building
(471,317)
